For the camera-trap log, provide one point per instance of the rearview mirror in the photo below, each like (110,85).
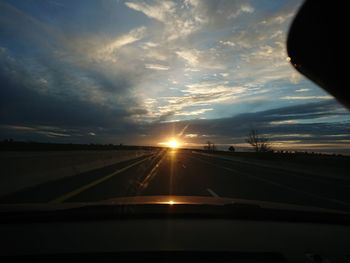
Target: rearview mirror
(316,43)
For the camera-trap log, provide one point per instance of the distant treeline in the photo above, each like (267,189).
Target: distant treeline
(283,154)
(11,145)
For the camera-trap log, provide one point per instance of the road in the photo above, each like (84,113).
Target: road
(183,172)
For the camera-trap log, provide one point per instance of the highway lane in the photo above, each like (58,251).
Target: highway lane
(52,190)
(179,172)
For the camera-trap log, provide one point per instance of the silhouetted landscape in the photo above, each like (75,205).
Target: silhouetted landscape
(11,145)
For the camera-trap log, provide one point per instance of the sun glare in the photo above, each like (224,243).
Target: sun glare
(173,144)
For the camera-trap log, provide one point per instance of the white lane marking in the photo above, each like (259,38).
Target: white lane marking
(183,166)
(153,172)
(278,184)
(212,193)
(94,183)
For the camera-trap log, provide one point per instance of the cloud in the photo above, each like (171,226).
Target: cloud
(244,8)
(197,59)
(285,127)
(182,19)
(191,135)
(260,44)
(279,18)
(176,24)
(213,88)
(302,90)
(195,95)
(49,89)
(107,52)
(307,98)
(156,67)
(190,56)
(227,43)
(192,113)
(20,104)
(159,11)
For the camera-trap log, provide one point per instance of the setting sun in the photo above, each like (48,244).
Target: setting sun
(173,143)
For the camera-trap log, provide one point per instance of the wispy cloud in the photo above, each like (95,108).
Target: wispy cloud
(160,11)
(107,52)
(201,60)
(227,43)
(177,24)
(196,95)
(302,90)
(156,67)
(245,8)
(192,113)
(190,56)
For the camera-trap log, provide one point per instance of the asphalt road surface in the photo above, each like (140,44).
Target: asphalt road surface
(183,172)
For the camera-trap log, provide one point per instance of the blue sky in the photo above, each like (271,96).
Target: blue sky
(140,72)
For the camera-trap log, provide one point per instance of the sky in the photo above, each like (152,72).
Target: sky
(142,72)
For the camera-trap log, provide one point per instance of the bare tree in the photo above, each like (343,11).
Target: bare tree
(210,146)
(259,142)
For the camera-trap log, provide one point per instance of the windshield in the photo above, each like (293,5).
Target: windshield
(108,99)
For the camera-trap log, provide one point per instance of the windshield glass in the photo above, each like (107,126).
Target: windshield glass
(108,99)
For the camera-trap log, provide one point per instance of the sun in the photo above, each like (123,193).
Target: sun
(173,144)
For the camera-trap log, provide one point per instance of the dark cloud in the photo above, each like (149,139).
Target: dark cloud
(45,82)
(242,123)
(24,102)
(22,105)
(308,125)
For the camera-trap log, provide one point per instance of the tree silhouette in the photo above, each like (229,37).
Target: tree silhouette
(259,142)
(231,148)
(210,146)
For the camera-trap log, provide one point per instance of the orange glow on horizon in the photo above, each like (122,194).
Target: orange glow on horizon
(172,143)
